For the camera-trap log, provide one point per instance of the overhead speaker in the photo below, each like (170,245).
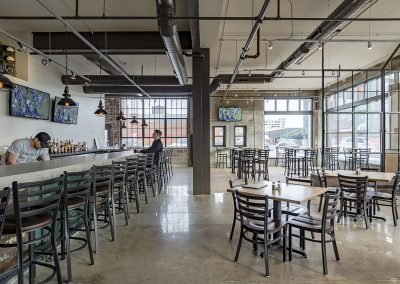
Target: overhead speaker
(7,64)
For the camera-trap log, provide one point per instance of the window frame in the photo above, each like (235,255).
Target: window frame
(223,136)
(244,135)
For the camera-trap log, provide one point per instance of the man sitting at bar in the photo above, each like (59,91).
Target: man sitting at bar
(29,150)
(156,147)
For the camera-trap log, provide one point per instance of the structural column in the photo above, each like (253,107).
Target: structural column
(201,122)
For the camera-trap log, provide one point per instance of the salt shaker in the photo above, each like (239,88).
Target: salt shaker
(279,185)
(273,186)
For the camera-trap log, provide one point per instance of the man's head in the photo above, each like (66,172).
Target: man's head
(41,140)
(157,134)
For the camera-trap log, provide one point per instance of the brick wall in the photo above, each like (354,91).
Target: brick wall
(112,106)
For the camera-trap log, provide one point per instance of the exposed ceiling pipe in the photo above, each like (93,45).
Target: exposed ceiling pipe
(106,58)
(326,30)
(169,34)
(112,80)
(132,90)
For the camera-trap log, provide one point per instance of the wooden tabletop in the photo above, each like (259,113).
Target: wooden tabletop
(292,193)
(372,176)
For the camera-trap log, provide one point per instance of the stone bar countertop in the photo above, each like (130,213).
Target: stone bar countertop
(37,171)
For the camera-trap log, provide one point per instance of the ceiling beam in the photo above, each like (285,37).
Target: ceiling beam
(193,11)
(110,42)
(105,66)
(119,80)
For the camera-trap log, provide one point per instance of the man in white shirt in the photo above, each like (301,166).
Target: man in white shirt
(29,150)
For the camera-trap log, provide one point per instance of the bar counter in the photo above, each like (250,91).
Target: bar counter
(49,169)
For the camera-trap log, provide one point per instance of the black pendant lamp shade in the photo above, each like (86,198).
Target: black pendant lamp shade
(134,120)
(121,116)
(100,110)
(144,124)
(123,126)
(5,83)
(66,101)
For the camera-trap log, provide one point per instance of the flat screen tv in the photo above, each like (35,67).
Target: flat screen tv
(229,114)
(68,115)
(28,102)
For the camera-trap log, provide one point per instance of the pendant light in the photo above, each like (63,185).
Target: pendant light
(123,126)
(134,120)
(100,111)
(121,116)
(66,101)
(5,83)
(144,124)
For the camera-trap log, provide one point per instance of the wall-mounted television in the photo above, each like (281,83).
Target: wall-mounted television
(229,114)
(28,102)
(68,115)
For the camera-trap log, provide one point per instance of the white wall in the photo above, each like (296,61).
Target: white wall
(47,79)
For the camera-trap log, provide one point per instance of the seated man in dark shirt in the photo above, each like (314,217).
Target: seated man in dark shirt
(156,147)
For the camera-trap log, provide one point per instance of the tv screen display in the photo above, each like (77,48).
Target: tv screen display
(68,115)
(27,102)
(230,114)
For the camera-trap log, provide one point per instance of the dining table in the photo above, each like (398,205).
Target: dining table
(372,176)
(292,193)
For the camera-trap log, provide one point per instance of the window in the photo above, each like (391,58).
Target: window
(168,115)
(219,136)
(287,125)
(240,136)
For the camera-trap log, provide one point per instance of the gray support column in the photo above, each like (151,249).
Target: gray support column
(201,122)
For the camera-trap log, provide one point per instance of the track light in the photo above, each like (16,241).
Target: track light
(45,62)
(319,45)
(249,73)
(303,73)
(236,95)
(21,47)
(270,46)
(73,76)
(369,45)
(86,84)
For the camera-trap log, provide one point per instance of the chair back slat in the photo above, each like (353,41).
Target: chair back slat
(252,207)
(322,177)
(77,184)
(352,184)
(330,209)
(32,201)
(263,155)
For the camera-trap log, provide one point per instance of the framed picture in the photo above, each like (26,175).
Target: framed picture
(68,115)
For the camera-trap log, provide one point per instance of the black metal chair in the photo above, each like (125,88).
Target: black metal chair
(261,162)
(150,171)
(348,158)
(388,199)
(102,201)
(120,192)
(36,205)
(324,226)
(321,182)
(236,216)
(254,220)
(4,197)
(222,159)
(312,159)
(248,163)
(132,180)
(354,190)
(332,158)
(75,207)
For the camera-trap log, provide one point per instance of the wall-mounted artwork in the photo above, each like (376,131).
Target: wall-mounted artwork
(30,103)
(68,115)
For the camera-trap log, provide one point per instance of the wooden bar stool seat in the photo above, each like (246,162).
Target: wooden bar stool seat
(27,224)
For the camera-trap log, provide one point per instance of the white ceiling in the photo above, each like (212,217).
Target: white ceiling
(226,39)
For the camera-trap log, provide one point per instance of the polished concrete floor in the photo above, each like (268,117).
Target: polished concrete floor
(181,238)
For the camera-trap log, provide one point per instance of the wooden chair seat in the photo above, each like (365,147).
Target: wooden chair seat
(309,223)
(258,226)
(294,210)
(28,223)
(353,197)
(101,190)
(380,195)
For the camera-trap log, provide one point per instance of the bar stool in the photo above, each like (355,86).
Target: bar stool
(35,210)
(102,201)
(262,162)
(75,206)
(222,158)
(132,181)
(119,190)
(332,158)
(348,158)
(312,159)
(362,158)
(248,163)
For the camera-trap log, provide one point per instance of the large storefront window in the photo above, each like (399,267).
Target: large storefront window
(288,123)
(168,115)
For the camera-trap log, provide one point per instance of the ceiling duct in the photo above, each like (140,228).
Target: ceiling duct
(169,34)
(325,31)
(132,90)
